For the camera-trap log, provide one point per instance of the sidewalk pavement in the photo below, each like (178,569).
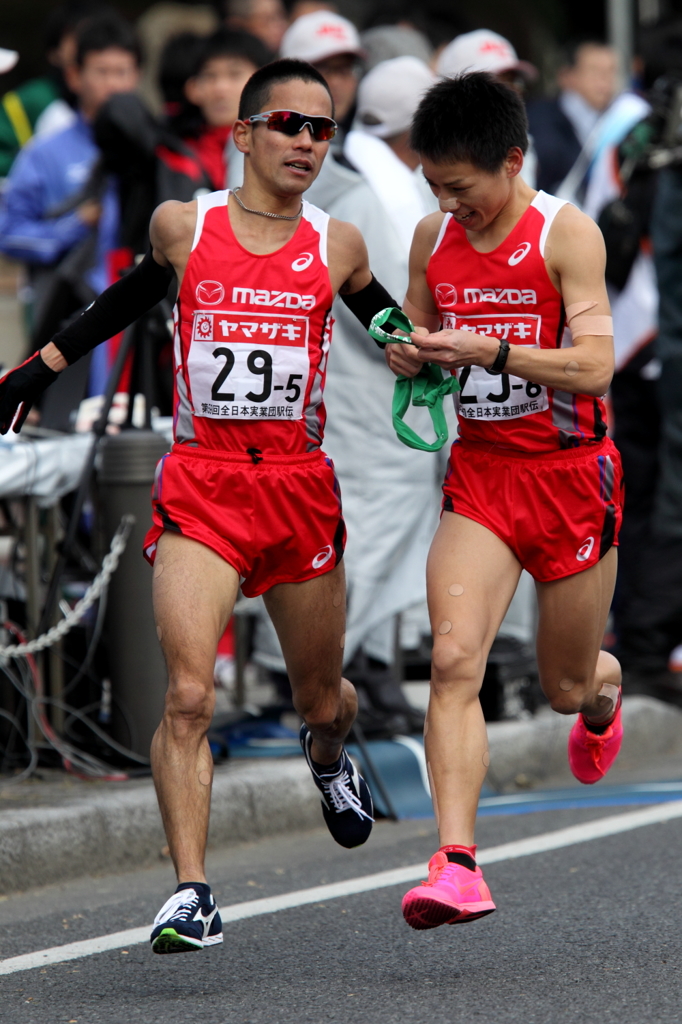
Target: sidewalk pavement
(60,828)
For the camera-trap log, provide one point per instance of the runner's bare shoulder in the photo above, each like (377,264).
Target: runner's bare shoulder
(573,235)
(424,240)
(172,225)
(346,249)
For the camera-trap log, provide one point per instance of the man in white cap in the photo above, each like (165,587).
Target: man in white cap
(484,50)
(332,45)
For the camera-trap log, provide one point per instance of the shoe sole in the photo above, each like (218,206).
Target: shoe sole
(169,941)
(421,914)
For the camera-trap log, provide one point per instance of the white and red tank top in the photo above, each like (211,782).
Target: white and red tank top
(507,294)
(252,334)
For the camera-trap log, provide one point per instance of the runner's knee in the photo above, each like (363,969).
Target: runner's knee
(455,665)
(566,695)
(326,709)
(189,704)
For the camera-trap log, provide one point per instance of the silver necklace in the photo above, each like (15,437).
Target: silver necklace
(264,213)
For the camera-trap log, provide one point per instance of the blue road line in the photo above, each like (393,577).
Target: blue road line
(581,796)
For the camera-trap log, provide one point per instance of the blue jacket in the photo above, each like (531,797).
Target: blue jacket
(45,174)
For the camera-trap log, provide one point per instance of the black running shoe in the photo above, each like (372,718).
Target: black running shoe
(346,799)
(188,921)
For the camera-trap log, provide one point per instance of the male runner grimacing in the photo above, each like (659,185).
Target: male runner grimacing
(246,490)
(532,481)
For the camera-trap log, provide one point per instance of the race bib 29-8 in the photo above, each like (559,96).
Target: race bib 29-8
(487,395)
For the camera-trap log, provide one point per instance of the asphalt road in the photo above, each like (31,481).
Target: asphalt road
(587,933)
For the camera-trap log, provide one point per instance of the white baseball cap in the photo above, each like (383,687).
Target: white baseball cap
(8,59)
(319,35)
(389,95)
(482,50)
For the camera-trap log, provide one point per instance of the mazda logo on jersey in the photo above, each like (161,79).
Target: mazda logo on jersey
(519,254)
(210,292)
(446,295)
(264,297)
(303,262)
(506,296)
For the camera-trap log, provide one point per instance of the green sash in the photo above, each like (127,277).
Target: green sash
(428,388)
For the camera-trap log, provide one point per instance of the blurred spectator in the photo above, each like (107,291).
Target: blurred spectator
(163,21)
(484,50)
(388,41)
(208,108)
(302,7)
(565,127)
(54,208)
(44,105)
(177,63)
(332,44)
(265,19)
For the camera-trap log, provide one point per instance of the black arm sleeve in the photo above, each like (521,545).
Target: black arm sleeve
(368,301)
(117,307)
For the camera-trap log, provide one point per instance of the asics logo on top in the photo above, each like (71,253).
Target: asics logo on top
(303,262)
(585,550)
(506,296)
(210,292)
(519,254)
(322,557)
(263,297)
(446,295)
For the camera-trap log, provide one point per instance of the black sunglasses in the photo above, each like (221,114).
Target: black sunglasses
(291,122)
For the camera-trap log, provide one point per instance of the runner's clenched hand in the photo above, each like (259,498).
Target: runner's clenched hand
(20,388)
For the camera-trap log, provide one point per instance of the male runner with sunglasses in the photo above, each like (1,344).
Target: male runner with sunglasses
(246,491)
(532,482)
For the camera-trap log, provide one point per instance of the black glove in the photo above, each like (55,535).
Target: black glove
(21,387)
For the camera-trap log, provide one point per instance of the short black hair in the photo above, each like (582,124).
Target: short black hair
(256,92)
(186,56)
(67,17)
(232,43)
(472,118)
(104,33)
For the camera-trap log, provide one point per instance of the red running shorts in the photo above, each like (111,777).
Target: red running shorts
(559,512)
(275,521)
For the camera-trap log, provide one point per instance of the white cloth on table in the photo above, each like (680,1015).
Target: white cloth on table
(47,469)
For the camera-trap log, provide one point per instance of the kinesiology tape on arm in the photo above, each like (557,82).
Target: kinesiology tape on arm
(116,308)
(369,301)
(581,325)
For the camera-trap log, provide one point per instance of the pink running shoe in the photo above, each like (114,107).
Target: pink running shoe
(591,755)
(452,895)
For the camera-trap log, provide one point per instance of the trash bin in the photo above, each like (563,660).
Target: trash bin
(138,671)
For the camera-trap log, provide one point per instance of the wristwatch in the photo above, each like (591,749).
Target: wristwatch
(500,362)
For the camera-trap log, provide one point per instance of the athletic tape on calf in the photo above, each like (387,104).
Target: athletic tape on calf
(428,388)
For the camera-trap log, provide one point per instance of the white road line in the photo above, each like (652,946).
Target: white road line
(598,829)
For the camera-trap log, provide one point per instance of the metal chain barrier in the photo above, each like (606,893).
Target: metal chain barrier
(94,591)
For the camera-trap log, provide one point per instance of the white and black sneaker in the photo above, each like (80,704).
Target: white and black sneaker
(188,921)
(346,799)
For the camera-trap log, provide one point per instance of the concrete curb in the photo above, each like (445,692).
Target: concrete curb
(118,829)
(122,830)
